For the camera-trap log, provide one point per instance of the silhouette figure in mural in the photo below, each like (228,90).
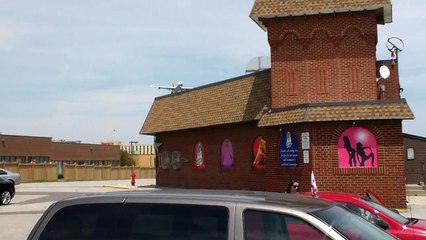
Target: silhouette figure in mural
(351,151)
(360,150)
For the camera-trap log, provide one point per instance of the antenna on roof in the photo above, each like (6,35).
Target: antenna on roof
(258,64)
(394,46)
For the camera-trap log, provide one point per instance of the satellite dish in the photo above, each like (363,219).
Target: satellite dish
(395,44)
(384,72)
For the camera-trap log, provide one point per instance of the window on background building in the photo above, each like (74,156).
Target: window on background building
(8,159)
(42,159)
(21,159)
(410,153)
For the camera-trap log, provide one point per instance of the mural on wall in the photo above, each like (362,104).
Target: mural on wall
(172,159)
(199,162)
(288,152)
(357,147)
(227,154)
(259,153)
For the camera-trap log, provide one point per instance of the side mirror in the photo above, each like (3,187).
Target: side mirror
(382,224)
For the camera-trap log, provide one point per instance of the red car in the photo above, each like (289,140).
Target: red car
(372,209)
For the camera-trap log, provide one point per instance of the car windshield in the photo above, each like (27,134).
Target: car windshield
(396,216)
(350,225)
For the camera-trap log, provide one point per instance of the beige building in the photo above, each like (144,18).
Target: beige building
(143,154)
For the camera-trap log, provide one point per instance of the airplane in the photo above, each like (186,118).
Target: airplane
(174,89)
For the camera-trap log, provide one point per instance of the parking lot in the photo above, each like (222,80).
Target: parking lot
(32,199)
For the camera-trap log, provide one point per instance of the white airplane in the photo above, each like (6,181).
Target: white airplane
(174,89)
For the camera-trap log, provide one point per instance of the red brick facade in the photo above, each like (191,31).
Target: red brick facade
(314,59)
(326,58)
(387,180)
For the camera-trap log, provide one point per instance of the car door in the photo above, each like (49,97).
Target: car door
(257,223)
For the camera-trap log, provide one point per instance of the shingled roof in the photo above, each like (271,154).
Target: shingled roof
(338,111)
(247,98)
(286,8)
(235,100)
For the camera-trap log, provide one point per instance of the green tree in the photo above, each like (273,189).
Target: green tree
(126,159)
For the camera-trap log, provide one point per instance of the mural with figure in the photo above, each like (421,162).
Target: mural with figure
(199,162)
(259,152)
(227,154)
(288,150)
(357,147)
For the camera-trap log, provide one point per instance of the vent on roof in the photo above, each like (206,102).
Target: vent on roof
(258,64)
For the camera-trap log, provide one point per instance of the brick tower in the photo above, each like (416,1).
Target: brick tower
(322,51)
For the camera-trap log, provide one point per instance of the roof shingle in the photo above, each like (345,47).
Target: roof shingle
(235,100)
(342,111)
(286,8)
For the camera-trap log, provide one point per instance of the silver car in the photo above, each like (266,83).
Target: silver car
(10,176)
(201,214)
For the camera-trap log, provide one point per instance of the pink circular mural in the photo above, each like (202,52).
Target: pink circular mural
(357,148)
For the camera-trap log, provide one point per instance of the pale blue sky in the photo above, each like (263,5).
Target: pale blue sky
(82,69)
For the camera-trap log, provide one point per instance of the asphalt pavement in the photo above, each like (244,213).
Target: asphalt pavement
(32,199)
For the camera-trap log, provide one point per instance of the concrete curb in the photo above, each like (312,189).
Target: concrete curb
(117,186)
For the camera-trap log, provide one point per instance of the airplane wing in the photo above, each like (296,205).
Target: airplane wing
(164,87)
(173,89)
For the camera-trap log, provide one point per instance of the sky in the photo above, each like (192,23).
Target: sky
(83,70)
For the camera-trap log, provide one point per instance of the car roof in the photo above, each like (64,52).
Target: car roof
(293,201)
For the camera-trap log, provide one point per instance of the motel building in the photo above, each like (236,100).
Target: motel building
(326,105)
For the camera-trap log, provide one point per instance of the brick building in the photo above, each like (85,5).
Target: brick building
(415,154)
(321,107)
(30,149)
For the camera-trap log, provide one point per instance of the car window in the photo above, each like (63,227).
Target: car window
(350,225)
(396,216)
(138,221)
(366,214)
(2,172)
(259,225)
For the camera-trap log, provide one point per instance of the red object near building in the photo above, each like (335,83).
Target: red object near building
(133,177)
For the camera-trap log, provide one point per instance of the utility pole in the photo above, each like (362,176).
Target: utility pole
(131,146)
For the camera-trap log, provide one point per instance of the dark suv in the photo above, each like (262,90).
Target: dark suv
(201,214)
(7,191)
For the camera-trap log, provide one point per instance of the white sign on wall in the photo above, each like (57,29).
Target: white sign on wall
(305,140)
(305,156)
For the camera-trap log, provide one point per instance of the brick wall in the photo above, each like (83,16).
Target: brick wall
(416,167)
(387,180)
(325,58)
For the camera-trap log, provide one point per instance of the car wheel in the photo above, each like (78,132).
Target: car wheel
(5,197)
